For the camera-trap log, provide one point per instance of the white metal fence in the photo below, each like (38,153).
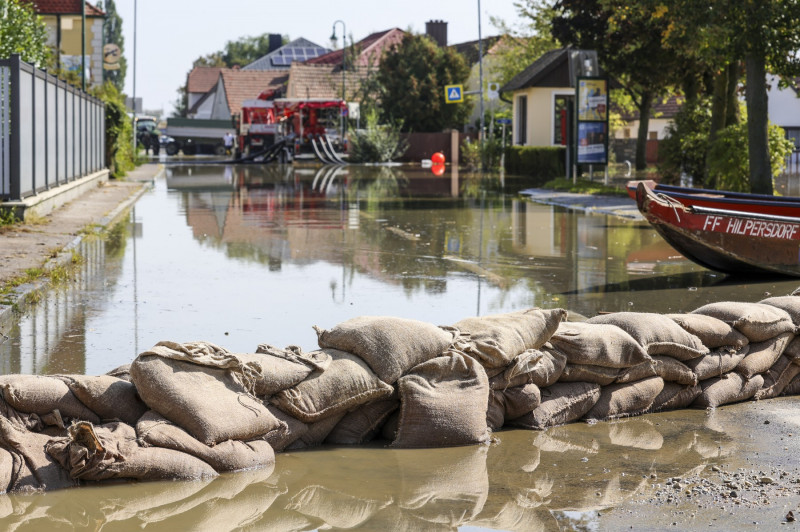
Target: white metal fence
(50,132)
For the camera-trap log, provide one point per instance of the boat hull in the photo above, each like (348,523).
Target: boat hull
(733,242)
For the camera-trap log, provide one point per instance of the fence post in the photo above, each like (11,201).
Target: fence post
(14,156)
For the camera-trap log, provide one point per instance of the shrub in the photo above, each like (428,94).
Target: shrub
(376,143)
(685,147)
(541,162)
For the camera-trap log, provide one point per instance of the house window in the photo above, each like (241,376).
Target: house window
(626,133)
(652,135)
(560,117)
(522,120)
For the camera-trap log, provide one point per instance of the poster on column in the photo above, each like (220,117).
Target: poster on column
(592,99)
(592,143)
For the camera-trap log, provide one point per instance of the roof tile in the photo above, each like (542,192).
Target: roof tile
(64,7)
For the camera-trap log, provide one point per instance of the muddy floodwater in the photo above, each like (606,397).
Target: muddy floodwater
(244,255)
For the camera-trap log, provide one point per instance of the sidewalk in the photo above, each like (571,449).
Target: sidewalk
(47,244)
(624,207)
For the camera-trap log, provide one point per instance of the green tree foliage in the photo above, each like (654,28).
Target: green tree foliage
(524,43)
(686,145)
(240,52)
(412,76)
(22,32)
(119,130)
(112,34)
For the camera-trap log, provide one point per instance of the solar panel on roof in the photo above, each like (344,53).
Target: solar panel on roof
(281,61)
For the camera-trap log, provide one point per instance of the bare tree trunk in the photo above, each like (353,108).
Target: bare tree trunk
(758,146)
(732,114)
(644,123)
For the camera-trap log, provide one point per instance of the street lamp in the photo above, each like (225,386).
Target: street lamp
(344,65)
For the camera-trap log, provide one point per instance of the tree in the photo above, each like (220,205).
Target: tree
(112,34)
(412,76)
(627,37)
(22,32)
(239,52)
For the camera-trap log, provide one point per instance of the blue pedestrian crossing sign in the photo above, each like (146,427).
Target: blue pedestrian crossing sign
(453,93)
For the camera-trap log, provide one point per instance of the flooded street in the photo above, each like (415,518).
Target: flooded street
(244,255)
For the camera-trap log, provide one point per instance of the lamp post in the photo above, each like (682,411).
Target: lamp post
(344,65)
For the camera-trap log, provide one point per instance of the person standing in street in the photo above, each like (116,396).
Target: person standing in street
(228,139)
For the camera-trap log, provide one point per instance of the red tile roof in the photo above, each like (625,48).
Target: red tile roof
(202,79)
(322,81)
(370,49)
(64,7)
(243,85)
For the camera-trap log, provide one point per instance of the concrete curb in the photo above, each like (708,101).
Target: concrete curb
(623,207)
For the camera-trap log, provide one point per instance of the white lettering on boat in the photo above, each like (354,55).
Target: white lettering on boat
(755,228)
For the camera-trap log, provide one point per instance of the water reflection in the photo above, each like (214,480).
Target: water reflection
(528,481)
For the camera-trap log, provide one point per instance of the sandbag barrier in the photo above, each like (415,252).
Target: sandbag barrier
(195,410)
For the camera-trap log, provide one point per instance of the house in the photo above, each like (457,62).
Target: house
(281,57)
(543,92)
(784,107)
(368,50)
(199,81)
(63,19)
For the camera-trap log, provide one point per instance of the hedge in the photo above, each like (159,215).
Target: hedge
(542,163)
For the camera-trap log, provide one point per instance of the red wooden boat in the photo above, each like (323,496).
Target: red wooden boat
(730,241)
(720,199)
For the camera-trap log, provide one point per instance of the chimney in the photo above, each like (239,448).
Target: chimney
(275,41)
(437,30)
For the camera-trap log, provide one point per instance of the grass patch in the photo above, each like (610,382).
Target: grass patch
(583,186)
(58,275)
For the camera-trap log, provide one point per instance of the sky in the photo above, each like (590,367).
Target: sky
(171,34)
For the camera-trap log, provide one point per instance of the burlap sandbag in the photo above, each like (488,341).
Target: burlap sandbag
(295,429)
(793,388)
(777,378)
(630,399)
(346,384)
(730,388)
(32,467)
(792,350)
(658,334)
(497,339)
(757,321)
(712,332)
(121,372)
(521,400)
(210,397)
(37,394)
(598,344)
(667,368)
(363,424)
(108,397)
(790,304)
(496,410)
(533,366)
(111,451)
(763,355)
(601,375)
(280,369)
(316,433)
(153,430)
(717,362)
(675,396)
(443,403)
(561,403)
(390,346)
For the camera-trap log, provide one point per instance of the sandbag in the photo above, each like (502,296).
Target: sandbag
(598,344)
(531,367)
(601,375)
(656,333)
(521,400)
(209,397)
(717,362)
(711,331)
(675,396)
(496,410)
(443,404)
(730,388)
(346,384)
(153,430)
(757,321)
(789,304)
(777,378)
(793,388)
(630,399)
(108,397)
(280,369)
(667,368)
(561,403)
(792,350)
(316,433)
(110,451)
(37,394)
(121,372)
(497,339)
(31,467)
(390,346)
(763,355)
(295,429)
(362,424)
